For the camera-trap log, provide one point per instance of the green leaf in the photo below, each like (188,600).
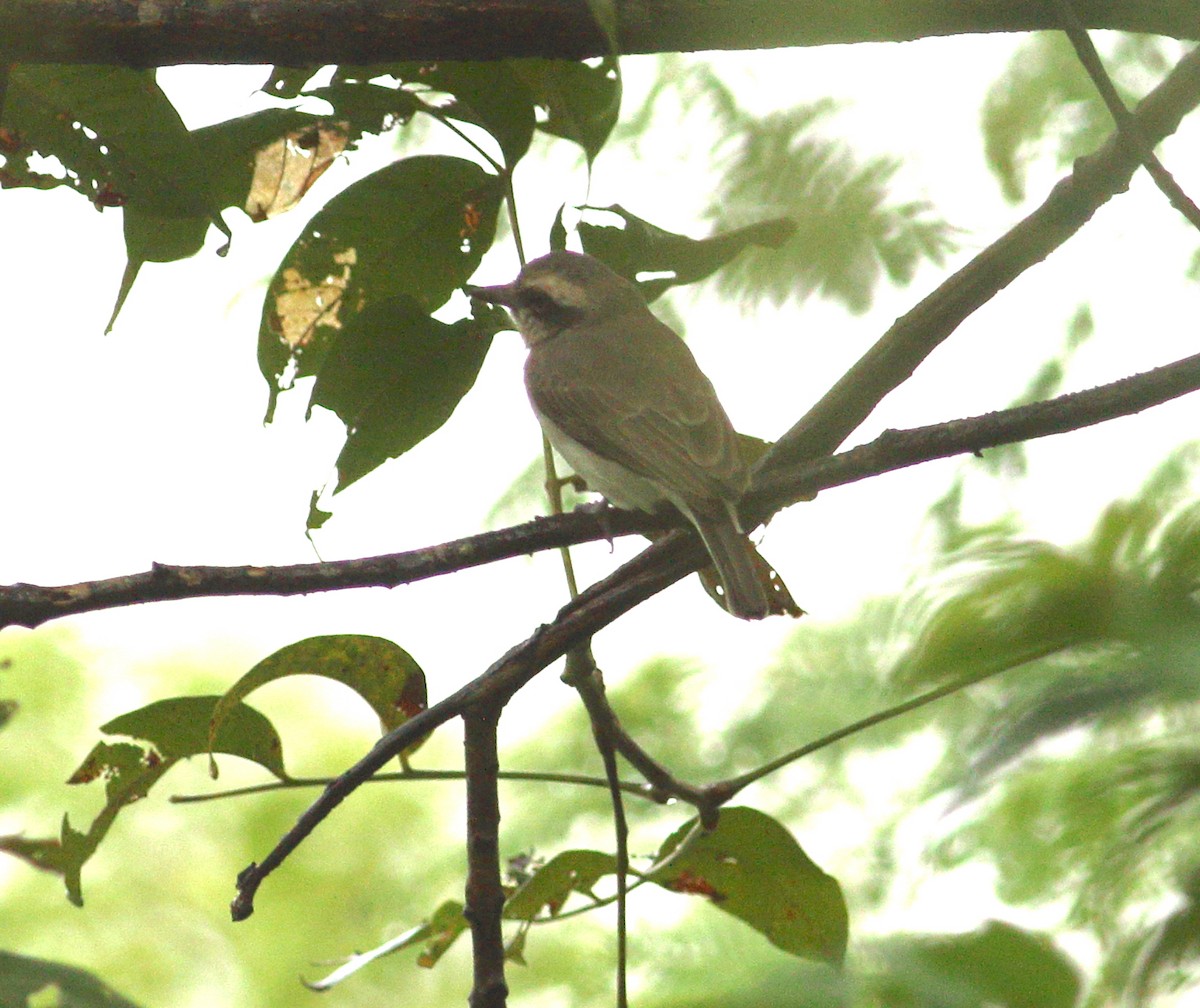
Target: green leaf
(439,933)
(851,232)
(416,228)
(45,854)
(550,885)
(180,727)
(379,671)
(176,728)
(446,924)
(394,377)
(582,102)
(1001,605)
(641,247)
(122,144)
(1046,99)
(998,966)
(488,94)
(26,982)
(288,82)
(116,133)
(1172,946)
(750,866)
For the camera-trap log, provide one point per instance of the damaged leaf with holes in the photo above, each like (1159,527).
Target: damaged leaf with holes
(750,866)
(174,729)
(414,230)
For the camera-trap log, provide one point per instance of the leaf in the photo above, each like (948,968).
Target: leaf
(416,228)
(394,377)
(121,143)
(1046,99)
(850,230)
(582,102)
(263,163)
(44,854)
(488,94)
(439,932)
(999,606)
(1172,945)
(641,247)
(176,728)
(750,866)
(180,727)
(288,82)
(26,982)
(115,132)
(550,885)
(445,926)
(998,966)
(379,671)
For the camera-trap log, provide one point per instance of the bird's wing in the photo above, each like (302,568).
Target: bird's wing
(673,432)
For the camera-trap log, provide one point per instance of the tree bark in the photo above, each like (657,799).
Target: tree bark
(144,33)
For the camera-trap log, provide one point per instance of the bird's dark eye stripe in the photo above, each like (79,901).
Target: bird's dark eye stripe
(542,306)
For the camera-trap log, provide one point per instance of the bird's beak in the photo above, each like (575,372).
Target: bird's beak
(502,294)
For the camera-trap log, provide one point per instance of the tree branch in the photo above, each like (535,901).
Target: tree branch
(678,554)
(1127,126)
(168,32)
(484,892)
(32,605)
(1093,181)
(782,486)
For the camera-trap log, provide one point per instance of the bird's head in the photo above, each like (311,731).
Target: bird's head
(559,291)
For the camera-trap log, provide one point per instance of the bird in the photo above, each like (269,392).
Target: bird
(621,398)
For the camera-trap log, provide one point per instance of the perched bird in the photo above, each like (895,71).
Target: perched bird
(624,402)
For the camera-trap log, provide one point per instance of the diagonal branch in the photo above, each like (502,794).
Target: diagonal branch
(672,558)
(1127,125)
(782,486)
(1093,181)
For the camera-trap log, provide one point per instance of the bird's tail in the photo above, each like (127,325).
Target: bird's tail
(733,556)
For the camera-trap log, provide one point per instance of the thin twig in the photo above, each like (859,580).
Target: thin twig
(725,790)
(1127,125)
(584,675)
(417,776)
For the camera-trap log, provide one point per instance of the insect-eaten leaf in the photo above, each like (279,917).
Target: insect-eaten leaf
(640,247)
(379,671)
(580,101)
(750,866)
(547,889)
(176,729)
(490,94)
(265,162)
(395,376)
(415,230)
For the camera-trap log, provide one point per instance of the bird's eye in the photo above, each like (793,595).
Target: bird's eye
(550,312)
(538,301)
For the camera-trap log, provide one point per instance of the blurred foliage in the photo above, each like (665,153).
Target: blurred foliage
(1045,101)
(1069,765)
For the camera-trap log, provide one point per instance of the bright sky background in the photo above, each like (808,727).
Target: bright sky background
(147,444)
